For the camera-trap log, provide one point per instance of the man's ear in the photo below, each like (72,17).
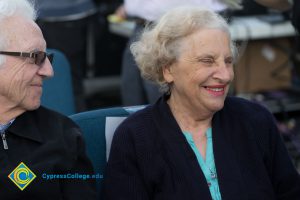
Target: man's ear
(167,73)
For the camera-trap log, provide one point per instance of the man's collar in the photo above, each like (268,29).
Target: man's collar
(25,126)
(3,127)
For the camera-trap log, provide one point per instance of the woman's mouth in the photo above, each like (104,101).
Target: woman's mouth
(216,90)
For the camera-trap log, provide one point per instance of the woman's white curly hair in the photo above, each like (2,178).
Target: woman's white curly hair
(159,44)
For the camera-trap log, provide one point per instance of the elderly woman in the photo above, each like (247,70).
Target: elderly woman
(194,142)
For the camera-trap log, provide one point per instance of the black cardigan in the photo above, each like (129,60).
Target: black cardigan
(151,159)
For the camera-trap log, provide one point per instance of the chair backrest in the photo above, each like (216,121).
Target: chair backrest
(98,127)
(58,90)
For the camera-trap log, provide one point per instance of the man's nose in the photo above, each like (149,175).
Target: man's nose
(46,69)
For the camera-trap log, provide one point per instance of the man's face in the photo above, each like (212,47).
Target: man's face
(20,78)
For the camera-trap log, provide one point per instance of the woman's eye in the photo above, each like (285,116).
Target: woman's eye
(229,61)
(207,61)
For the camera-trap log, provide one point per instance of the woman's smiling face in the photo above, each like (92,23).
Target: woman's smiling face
(201,75)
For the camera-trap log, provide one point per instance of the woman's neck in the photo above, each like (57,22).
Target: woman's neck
(189,119)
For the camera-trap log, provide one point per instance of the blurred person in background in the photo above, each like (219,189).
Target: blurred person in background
(195,142)
(65,24)
(294,7)
(276,4)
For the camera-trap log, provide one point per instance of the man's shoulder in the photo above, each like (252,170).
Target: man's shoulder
(50,120)
(50,114)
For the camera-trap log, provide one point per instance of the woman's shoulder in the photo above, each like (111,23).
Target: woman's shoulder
(256,119)
(139,118)
(245,108)
(245,105)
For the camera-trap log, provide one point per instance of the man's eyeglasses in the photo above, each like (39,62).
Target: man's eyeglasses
(38,56)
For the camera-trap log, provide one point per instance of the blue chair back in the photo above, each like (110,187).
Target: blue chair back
(98,127)
(58,90)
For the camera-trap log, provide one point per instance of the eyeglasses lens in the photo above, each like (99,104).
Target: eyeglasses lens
(41,56)
(50,57)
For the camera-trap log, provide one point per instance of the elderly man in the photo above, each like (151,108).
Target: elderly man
(43,154)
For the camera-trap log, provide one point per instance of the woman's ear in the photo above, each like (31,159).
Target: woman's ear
(167,73)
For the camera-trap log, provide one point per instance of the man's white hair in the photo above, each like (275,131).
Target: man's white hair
(8,8)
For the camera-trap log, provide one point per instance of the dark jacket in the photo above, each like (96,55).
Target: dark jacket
(47,143)
(151,159)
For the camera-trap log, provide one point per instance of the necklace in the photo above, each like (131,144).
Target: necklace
(213,175)
(208,165)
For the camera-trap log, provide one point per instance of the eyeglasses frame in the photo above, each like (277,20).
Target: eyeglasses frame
(29,55)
